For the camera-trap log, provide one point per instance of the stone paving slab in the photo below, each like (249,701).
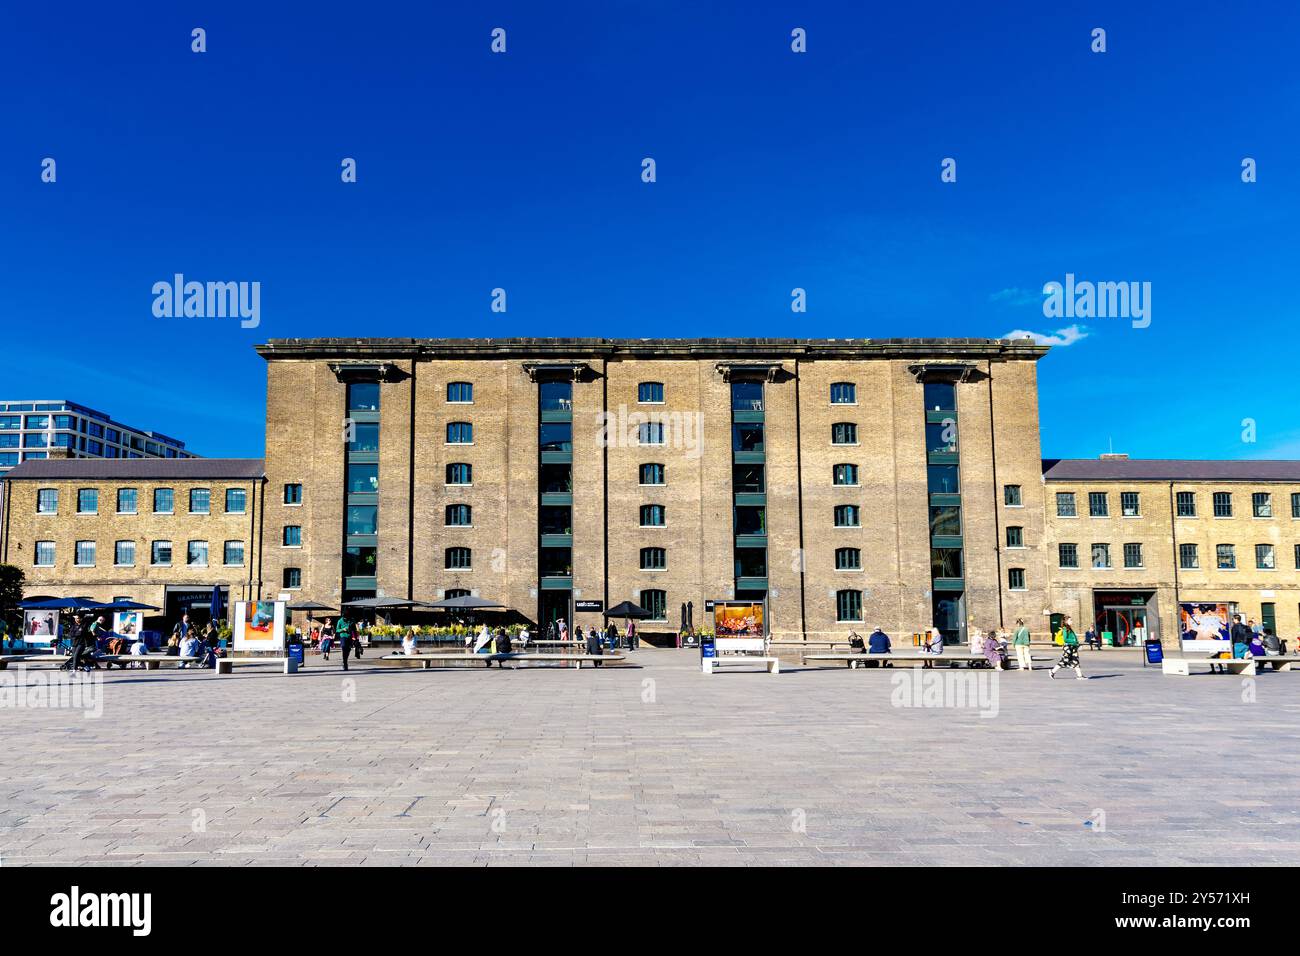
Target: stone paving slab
(655,764)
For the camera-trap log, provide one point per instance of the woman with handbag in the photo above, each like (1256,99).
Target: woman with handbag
(1069,652)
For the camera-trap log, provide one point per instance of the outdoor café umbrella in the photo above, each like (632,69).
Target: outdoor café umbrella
(466,603)
(310,607)
(129,606)
(215,608)
(627,609)
(382,604)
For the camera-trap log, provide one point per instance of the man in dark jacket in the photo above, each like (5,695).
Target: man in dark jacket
(1238,634)
(878,643)
(82,654)
(593,644)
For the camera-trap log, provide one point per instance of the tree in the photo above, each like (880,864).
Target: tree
(11,592)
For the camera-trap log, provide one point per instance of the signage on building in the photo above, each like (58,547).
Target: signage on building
(596,606)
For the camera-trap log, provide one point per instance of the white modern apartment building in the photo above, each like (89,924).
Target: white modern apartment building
(36,429)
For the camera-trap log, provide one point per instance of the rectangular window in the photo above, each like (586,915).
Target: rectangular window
(848,605)
(844,393)
(656,602)
(293,494)
(1065,504)
(652,474)
(844,433)
(650,393)
(943,479)
(1186,504)
(200,501)
(848,559)
(1101,556)
(363,397)
(462,433)
(750,519)
(747,437)
(460,393)
(292,578)
(1015,537)
(87,501)
(1098,504)
(556,436)
(359,561)
(232,554)
(1129,504)
(1011,496)
(945,520)
(460,473)
(363,519)
(1297,557)
(941,437)
(1295,504)
(85,554)
(1264,557)
(555,396)
(1067,555)
(124,554)
(126,501)
(1188,559)
(1261,504)
(196,554)
(44,554)
(751,562)
(945,562)
(458,559)
(1223,504)
(160,554)
(650,433)
(846,516)
(1225,556)
(47,501)
(292,536)
(845,475)
(652,516)
(362,478)
(459,516)
(940,397)
(364,436)
(1132,555)
(236,501)
(748,479)
(654,559)
(746,396)
(1016,579)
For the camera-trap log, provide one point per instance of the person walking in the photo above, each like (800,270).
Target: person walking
(1020,641)
(82,655)
(326,640)
(343,630)
(1069,652)
(564,630)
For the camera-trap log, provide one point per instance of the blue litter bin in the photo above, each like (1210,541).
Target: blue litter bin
(295,654)
(1155,653)
(707,647)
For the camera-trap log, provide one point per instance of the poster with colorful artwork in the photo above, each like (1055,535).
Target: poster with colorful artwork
(1204,626)
(40,627)
(128,624)
(738,626)
(259,625)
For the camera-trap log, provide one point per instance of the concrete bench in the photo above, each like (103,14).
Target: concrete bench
(1280,662)
(151,662)
(226,665)
(7,659)
(772,664)
(951,660)
(1183,666)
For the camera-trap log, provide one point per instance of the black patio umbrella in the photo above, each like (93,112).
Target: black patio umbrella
(380,603)
(129,606)
(466,602)
(310,606)
(627,609)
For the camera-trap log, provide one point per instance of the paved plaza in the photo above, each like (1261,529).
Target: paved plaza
(654,764)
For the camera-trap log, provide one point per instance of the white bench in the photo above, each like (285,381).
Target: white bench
(951,660)
(1183,666)
(226,665)
(429,661)
(46,658)
(151,662)
(707,664)
(1280,662)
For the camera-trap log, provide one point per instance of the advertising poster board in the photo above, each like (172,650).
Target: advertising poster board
(259,625)
(1204,627)
(40,627)
(128,624)
(739,626)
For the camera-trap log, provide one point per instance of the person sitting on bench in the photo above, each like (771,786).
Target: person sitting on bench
(593,643)
(878,643)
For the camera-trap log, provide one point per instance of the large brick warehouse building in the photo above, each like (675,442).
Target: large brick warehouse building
(845,481)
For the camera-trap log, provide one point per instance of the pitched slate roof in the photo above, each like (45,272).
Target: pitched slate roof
(129,469)
(1164,469)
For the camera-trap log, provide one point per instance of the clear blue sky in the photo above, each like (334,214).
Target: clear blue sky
(775,170)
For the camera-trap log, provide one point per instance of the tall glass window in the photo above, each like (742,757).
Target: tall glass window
(460,393)
(746,396)
(236,501)
(126,501)
(87,501)
(47,501)
(163,501)
(200,501)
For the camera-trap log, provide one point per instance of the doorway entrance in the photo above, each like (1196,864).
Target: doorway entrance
(949,615)
(553,606)
(1128,617)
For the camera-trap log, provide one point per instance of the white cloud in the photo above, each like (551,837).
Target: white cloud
(1060,338)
